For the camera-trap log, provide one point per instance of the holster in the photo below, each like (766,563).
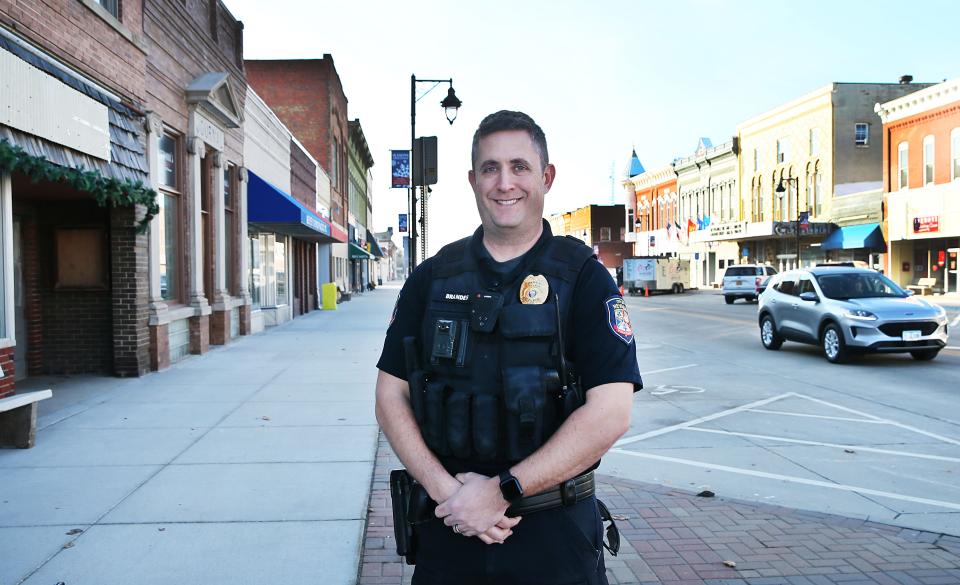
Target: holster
(411,506)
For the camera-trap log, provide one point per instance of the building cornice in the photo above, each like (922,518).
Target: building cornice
(654,177)
(784,108)
(919,102)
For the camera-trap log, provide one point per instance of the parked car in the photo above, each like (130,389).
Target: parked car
(741,281)
(762,285)
(849,310)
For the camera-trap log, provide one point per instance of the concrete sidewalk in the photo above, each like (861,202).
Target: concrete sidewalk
(251,464)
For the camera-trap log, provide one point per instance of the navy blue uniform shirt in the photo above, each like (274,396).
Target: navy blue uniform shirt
(595,338)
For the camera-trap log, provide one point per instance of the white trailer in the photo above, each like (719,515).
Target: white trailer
(650,275)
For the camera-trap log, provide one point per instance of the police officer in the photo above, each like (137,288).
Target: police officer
(507,371)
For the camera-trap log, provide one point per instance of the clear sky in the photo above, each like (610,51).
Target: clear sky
(599,76)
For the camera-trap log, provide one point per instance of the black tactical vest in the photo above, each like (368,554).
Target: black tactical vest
(491,392)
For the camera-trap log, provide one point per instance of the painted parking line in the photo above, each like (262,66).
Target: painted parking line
(668,369)
(696,421)
(955,322)
(833,445)
(792,479)
(823,416)
(891,422)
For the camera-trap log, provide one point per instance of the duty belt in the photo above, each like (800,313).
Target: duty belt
(564,494)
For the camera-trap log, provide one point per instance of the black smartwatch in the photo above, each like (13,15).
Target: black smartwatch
(510,487)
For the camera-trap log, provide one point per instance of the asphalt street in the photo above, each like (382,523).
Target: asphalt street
(878,438)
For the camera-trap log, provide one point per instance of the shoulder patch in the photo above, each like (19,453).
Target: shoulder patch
(618,319)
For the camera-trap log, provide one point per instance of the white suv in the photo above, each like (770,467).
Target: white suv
(741,281)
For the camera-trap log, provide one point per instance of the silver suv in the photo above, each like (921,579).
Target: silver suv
(741,281)
(846,310)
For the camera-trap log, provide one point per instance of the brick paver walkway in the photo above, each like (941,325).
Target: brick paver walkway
(672,537)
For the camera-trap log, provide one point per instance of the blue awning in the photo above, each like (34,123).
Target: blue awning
(271,209)
(853,237)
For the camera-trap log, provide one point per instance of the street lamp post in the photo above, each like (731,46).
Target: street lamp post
(781,193)
(450,106)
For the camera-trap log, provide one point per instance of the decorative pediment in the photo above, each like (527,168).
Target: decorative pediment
(212,92)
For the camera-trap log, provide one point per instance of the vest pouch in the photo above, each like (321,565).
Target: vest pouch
(518,320)
(524,401)
(434,429)
(458,424)
(486,422)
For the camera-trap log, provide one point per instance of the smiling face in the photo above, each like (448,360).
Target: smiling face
(509,181)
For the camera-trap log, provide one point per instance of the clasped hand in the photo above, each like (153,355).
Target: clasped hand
(477,508)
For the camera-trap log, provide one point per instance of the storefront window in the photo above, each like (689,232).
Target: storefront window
(228,223)
(255,281)
(280,270)
(169,219)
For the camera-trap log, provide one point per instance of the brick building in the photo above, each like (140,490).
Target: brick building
(600,227)
(73,272)
(308,97)
(921,184)
(195,90)
(653,196)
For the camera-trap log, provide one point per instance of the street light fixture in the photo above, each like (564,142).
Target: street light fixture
(781,192)
(451,104)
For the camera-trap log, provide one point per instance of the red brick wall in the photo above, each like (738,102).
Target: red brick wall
(308,98)
(80,37)
(937,122)
(303,177)
(6,362)
(182,47)
(129,288)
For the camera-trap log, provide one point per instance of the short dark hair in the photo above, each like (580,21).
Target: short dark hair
(510,120)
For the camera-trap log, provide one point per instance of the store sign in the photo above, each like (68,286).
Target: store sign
(728,230)
(926,224)
(783,228)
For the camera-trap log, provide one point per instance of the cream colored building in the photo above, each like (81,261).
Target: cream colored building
(824,151)
(707,187)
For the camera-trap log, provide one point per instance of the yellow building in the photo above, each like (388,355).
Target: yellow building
(814,163)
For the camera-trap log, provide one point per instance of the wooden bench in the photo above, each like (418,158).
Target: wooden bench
(923,285)
(18,418)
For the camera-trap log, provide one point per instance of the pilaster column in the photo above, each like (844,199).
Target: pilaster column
(220,292)
(196,150)
(154,128)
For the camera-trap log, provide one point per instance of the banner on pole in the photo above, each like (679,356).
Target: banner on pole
(402,223)
(400,169)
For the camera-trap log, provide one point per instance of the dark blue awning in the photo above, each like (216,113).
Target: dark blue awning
(853,237)
(271,209)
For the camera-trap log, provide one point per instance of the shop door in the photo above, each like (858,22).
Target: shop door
(20,322)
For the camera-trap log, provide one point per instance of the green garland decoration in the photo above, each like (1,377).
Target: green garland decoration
(106,191)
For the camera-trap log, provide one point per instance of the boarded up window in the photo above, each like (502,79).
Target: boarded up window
(81,258)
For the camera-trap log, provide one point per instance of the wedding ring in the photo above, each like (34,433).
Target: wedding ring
(456,528)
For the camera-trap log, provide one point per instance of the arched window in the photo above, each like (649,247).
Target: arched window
(817,189)
(808,189)
(903,166)
(955,154)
